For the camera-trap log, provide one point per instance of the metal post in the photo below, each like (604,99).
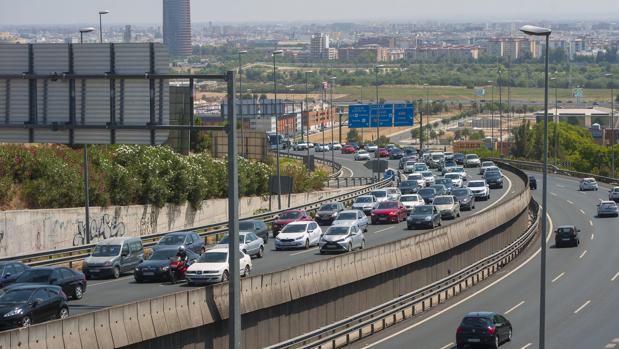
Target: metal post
(243,152)
(612,125)
(234,293)
(377,123)
(279,179)
(86,196)
(492,113)
(308,118)
(542,307)
(100,28)
(332,117)
(556,123)
(500,113)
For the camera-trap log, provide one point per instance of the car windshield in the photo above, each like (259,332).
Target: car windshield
(423,209)
(427,191)
(226,239)
(442,200)
(328,207)
(427,174)
(106,251)
(452,176)
(35,276)
(458,169)
(362,152)
(472,156)
(294,228)
(337,231)
(487,163)
(476,184)
(475,322)
(493,175)
(15,296)
(363,199)
(564,231)
(289,215)
(408,184)
(347,216)
(415,177)
(608,205)
(437,157)
(460,192)
(408,198)
(590,180)
(379,193)
(213,257)
(388,204)
(410,163)
(163,254)
(246,226)
(172,240)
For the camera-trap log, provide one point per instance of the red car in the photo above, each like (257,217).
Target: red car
(348,149)
(286,217)
(383,153)
(389,212)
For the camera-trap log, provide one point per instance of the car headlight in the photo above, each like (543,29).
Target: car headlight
(137,268)
(428,218)
(300,238)
(334,214)
(107,264)
(166,268)
(14,312)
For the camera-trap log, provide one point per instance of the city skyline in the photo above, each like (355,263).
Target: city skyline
(237,11)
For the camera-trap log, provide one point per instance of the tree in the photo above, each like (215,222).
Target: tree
(433,134)
(466,133)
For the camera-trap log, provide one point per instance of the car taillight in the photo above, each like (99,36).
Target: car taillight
(459,330)
(491,330)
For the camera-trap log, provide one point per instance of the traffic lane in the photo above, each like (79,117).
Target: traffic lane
(103,293)
(348,160)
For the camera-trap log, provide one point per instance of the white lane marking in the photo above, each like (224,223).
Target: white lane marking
(583,254)
(582,307)
(553,194)
(560,186)
(450,345)
(610,345)
(615,277)
(582,211)
(380,231)
(590,222)
(592,236)
(514,307)
(501,198)
(616,340)
(570,202)
(527,345)
(558,277)
(449,308)
(305,251)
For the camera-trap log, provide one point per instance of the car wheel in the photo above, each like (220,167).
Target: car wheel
(247,271)
(116,272)
(138,280)
(362,245)
(349,247)
(244,251)
(307,244)
(322,252)
(63,313)
(26,321)
(409,227)
(266,238)
(225,276)
(497,342)
(78,292)
(261,252)
(458,214)
(439,223)
(509,335)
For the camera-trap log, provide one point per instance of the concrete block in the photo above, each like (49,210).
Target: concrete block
(294,277)
(247,303)
(5,340)
(266,293)
(135,324)
(256,289)
(284,286)
(157,312)
(195,298)
(102,329)
(220,296)
(182,310)
(145,319)
(37,336)
(19,338)
(54,335)
(170,313)
(71,333)
(117,327)
(87,332)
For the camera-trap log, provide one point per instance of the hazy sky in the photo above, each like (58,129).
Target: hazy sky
(149,11)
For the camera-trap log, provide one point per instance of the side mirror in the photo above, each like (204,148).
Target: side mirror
(37,302)
(7,275)
(125,254)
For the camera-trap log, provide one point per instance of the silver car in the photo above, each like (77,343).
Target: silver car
(380,195)
(352,217)
(365,203)
(485,165)
(588,184)
(421,182)
(613,194)
(447,205)
(342,238)
(393,194)
(249,243)
(428,176)
(608,208)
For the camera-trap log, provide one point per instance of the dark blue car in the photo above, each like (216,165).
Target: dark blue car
(10,271)
(389,173)
(448,183)
(156,267)
(24,305)
(427,194)
(189,239)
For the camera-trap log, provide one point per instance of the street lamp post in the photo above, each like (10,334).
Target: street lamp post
(420,102)
(376,67)
(307,111)
(86,176)
(500,83)
(427,87)
(332,117)
(537,31)
(612,124)
(555,117)
(101,13)
(240,113)
(277,171)
(492,112)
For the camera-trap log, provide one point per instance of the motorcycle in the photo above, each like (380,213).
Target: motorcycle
(177,269)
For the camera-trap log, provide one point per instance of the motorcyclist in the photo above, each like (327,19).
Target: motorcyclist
(182,254)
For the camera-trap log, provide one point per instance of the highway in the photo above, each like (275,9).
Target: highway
(582,293)
(105,293)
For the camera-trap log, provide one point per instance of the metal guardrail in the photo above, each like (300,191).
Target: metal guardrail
(74,254)
(375,319)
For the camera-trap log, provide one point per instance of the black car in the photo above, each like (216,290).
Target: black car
(395,153)
(427,194)
(157,266)
(459,158)
(409,187)
(327,213)
(72,282)
(567,235)
(532,182)
(409,151)
(10,271)
(483,328)
(24,305)
(424,215)
(257,227)
(189,239)
(441,189)
(494,179)
(448,183)
(465,197)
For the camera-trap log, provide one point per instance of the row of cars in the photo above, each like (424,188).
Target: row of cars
(605,208)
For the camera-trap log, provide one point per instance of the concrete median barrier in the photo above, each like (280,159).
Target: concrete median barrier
(117,327)
(103,330)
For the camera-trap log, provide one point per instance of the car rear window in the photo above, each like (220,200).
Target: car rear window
(475,322)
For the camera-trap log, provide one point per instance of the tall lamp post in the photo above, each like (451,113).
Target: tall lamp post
(376,67)
(612,124)
(555,117)
(492,112)
(307,112)
(427,87)
(538,31)
(101,13)
(240,113)
(332,117)
(500,83)
(419,103)
(86,176)
(277,172)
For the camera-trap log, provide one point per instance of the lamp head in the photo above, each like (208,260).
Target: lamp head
(104,12)
(277,52)
(535,31)
(87,30)
(242,52)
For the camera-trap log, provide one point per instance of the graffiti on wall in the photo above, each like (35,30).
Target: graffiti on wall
(100,229)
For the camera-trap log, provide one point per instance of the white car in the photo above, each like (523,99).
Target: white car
(212,266)
(428,177)
(336,146)
(480,189)
(462,172)
(613,194)
(365,203)
(410,201)
(362,155)
(342,238)
(321,148)
(310,144)
(409,167)
(300,146)
(371,147)
(471,160)
(588,184)
(485,165)
(249,243)
(298,234)
(380,195)
(455,179)
(421,182)
(352,217)
(421,167)
(393,194)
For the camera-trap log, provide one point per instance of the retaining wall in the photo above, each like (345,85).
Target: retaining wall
(29,231)
(284,304)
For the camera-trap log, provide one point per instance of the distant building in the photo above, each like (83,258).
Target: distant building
(512,48)
(434,51)
(578,117)
(177,27)
(319,47)
(383,41)
(127,34)
(374,52)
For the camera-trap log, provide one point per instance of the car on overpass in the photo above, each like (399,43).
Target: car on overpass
(429,177)
(613,194)
(420,167)
(327,212)
(465,197)
(157,266)
(189,239)
(255,226)
(286,217)
(456,180)
(459,158)
(10,271)
(25,305)
(480,189)
(567,235)
(298,235)
(212,267)
(114,256)
(72,282)
(389,212)
(352,217)
(424,215)
(447,205)
(249,243)
(409,186)
(395,153)
(342,238)
(588,184)
(409,167)
(607,208)
(410,201)
(300,146)
(483,328)
(462,172)
(494,179)
(446,182)
(472,160)
(365,203)
(427,194)
(485,165)
(418,177)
